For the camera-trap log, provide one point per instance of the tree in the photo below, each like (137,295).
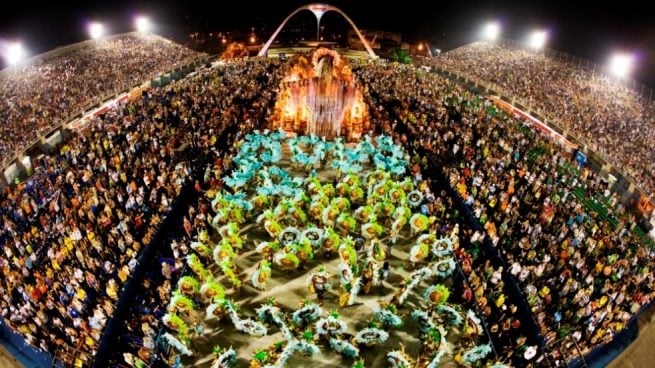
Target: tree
(401,56)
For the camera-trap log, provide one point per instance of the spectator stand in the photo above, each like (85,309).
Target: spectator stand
(622,185)
(644,91)
(178,68)
(15,344)
(44,142)
(490,252)
(601,355)
(132,287)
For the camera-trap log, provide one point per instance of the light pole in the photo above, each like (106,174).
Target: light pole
(538,39)
(15,53)
(621,64)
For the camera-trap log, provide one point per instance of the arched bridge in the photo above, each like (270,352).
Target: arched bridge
(318,10)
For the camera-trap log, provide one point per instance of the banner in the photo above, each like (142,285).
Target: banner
(580,158)
(513,110)
(644,205)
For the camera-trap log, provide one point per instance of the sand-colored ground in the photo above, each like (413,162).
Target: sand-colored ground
(289,289)
(7,360)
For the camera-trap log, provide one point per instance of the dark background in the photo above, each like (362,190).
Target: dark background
(592,30)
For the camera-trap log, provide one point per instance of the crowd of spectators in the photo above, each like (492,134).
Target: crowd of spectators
(581,273)
(413,106)
(72,232)
(137,344)
(244,92)
(36,97)
(614,120)
(565,239)
(71,236)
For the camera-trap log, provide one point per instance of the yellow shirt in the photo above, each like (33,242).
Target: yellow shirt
(111,291)
(122,274)
(69,243)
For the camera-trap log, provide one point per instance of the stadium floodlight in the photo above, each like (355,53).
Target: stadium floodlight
(142,24)
(621,64)
(538,39)
(96,30)
(491,31)
(14,53)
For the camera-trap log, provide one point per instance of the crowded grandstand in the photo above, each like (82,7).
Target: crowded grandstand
(52,89)
(320,209)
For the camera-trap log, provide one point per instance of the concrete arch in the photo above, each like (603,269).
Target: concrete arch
(318,10)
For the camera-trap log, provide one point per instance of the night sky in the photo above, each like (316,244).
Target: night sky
(592,30)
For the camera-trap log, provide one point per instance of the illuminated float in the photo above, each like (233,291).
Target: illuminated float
(321,97)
